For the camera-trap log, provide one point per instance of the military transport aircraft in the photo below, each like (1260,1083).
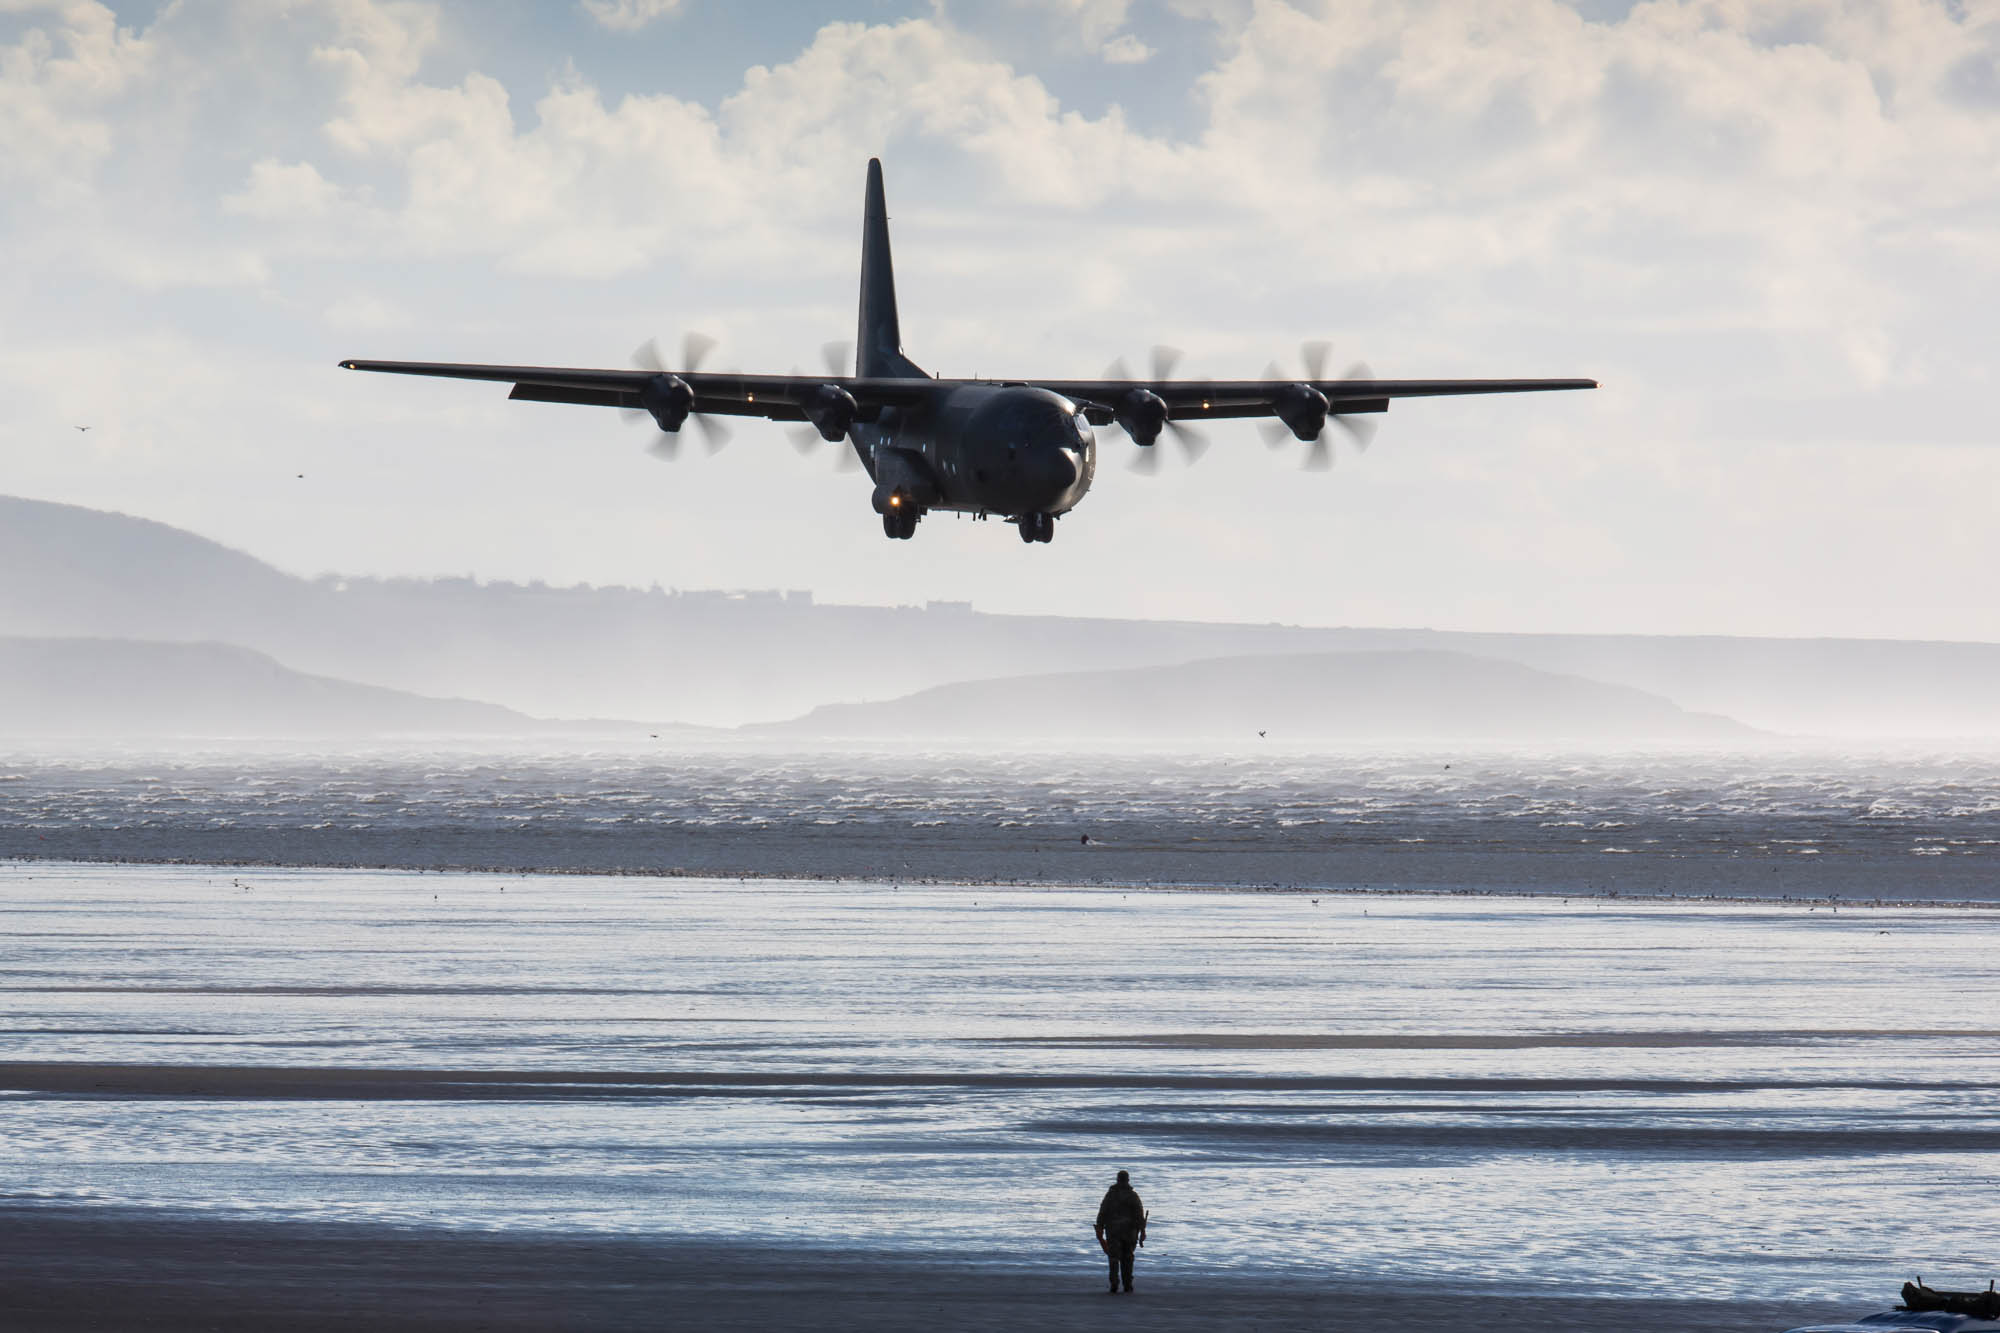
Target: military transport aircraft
(1022,449)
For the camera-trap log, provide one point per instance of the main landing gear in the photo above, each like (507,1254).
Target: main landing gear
(900,521)
(1038,527)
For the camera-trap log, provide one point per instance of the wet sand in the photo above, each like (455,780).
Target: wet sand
(77,1268)
(1171,857)
(310,1099)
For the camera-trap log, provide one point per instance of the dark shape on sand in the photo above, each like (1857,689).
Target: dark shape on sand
(1979,1304)
(1121,1228)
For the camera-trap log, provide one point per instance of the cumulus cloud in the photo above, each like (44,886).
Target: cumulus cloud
(630,15)
(1759,221)
(1432,138)
(1093,27)
(1125,49)
(280,192)
(1094,22)
(60,86)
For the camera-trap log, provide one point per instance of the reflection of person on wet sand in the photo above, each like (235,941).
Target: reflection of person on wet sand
(1121,1228)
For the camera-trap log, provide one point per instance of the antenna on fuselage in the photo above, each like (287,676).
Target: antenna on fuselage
(878,343)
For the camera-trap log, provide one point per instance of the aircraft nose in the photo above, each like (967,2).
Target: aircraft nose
(1055,469)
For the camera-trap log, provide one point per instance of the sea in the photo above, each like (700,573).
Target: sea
(1911,824)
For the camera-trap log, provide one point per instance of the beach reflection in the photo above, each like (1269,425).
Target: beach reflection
(1601,1096)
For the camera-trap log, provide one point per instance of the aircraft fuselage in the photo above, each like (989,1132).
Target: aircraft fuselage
(1011,450)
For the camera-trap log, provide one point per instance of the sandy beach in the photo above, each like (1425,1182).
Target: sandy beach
(86,1269)
(310,1098)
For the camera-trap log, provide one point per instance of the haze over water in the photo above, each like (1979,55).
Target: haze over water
(1778,1100)
(1896,824)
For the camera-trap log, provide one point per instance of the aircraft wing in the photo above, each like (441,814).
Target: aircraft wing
(778,397)
(775,397)
(1198,400)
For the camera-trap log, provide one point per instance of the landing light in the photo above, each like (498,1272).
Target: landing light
(895,502)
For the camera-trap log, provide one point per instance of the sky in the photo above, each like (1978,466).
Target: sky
(1771,229)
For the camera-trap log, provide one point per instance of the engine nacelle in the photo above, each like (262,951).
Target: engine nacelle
(1143,414)
(1302,408)
(669,399)
(832,410)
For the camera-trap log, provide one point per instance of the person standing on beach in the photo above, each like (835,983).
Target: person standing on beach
(1121,1228)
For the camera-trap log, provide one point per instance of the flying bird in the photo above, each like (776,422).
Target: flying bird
(83,428)
(1022,449)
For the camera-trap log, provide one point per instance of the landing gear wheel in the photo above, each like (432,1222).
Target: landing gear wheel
(909,524)
(1045,527)
(892,524)
(900,522)
(1031,530)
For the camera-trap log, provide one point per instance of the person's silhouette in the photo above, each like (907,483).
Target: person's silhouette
(1121,1228)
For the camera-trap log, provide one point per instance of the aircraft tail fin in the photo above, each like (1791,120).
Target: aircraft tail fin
(878,344)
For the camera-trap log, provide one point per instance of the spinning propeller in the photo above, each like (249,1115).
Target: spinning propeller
(669,401)
(1143,413)
(836,408)
(1304,412)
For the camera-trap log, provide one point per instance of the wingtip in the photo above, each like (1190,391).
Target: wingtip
(348,364)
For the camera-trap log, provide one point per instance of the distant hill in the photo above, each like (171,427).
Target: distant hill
(723,658)
(124,688)
(69,570)
(1320,698)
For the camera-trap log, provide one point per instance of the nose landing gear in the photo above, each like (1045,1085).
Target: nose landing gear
(900,521)
(1038,527)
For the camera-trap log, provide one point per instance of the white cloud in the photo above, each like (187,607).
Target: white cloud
(1125,49)
(59,87)
(630,15)
(1094,22)
(277,192)
(1762,225)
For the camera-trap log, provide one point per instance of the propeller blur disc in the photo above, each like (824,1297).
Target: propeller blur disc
(714,434)
(695,348)
(1313,355)
(1192,442)
(1359,429)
